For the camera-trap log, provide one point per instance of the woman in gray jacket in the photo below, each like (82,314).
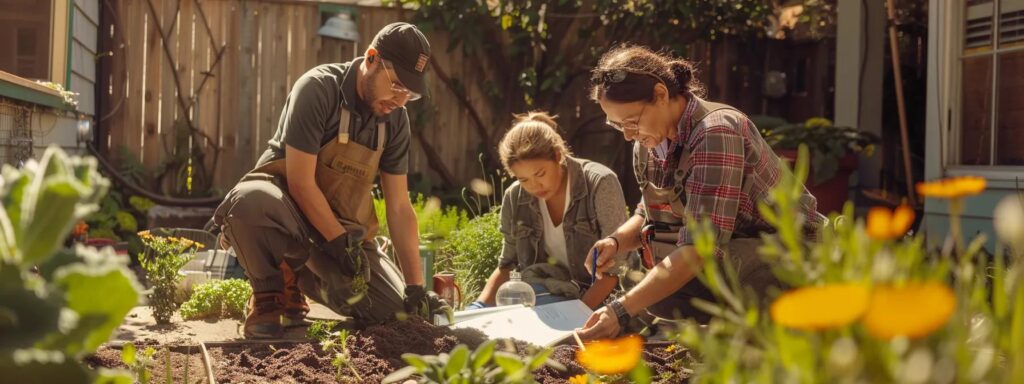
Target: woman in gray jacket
(552,214)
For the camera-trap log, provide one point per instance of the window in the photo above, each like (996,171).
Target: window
(991,110)
(25,37)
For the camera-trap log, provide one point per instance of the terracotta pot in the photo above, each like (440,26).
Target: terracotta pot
(834,192)
(445,286)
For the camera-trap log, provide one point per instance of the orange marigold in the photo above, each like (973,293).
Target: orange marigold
(884,224)
(611,357)
(823,307)
(952,188)
(914,310)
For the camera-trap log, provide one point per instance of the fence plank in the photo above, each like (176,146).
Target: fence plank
(149,148)
(133,126)
(247,111)
(231,166)
(169,109)
(116,99)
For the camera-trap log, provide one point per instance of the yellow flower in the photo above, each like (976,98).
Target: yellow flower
(952,188)
(825,307)
(914,310)
(815,122)
(884,224)
(611,357)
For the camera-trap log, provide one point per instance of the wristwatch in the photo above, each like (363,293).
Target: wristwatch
(620,313)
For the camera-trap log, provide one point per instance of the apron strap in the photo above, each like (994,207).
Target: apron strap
(343,126)
(381,136)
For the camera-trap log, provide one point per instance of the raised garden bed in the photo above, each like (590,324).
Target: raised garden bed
(186,362)
(375,352)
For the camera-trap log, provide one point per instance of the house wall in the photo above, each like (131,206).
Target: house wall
(942,56)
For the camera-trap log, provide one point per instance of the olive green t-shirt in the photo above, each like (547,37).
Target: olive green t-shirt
(310,118)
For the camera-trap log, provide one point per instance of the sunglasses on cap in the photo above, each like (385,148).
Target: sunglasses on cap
(618,75)
(397,87)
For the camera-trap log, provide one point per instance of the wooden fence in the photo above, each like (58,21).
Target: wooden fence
(225,67)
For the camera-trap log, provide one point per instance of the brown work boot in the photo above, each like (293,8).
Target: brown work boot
(263,316)
(295,306)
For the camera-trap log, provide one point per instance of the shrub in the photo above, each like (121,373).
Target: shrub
(435,223)
(217,299)
(472,253)
(162,264)
(56,304)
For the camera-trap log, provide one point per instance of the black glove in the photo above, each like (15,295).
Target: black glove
(425,303)
(347,249)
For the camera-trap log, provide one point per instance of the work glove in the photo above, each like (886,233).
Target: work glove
(347,249)
(426,304)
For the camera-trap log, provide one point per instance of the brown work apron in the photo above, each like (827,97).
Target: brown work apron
(345,173)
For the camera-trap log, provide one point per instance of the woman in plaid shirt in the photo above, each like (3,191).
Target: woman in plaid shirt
(692,158)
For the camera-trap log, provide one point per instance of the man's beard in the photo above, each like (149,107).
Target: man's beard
(370,89)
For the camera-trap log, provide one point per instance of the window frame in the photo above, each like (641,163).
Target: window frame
(20,88)
(954,35)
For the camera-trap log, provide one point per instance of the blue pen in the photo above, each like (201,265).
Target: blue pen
(593,272)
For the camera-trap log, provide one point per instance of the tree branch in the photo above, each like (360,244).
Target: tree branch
(435,161)
(478,123)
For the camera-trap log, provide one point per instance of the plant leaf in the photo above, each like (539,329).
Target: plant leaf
(399,375)
(457,360)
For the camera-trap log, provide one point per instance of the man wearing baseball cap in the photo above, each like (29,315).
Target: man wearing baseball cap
(302,222)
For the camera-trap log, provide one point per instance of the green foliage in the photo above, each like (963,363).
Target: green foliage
(119,218)
(217,299)
(473,251)
(52,318)
(539,54)
(337,344)
(321,330)
(162,262)
(126,222)
(982,341)
(435,223)
(485,365)
(138,362)
(140,204)
(827,143)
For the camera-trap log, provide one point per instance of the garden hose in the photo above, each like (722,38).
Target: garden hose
(157,198)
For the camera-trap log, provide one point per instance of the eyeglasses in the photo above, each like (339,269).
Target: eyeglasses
(398,88)
(615,76)
(629,127)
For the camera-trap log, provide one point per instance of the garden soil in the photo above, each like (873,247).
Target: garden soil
(374,352)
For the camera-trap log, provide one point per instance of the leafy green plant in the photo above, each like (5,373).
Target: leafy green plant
(472,253)
(827,143)
(485,365)
(57,304)
(436,223)
(119,218)
(162,263)
(217,299)
(868,304)
(138,362)
(321,330)
(337,344)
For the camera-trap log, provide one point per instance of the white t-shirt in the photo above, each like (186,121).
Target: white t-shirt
(554,237)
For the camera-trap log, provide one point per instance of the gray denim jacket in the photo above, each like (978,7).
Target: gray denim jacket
(596,208)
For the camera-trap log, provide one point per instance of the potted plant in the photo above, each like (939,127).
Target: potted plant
(833,151)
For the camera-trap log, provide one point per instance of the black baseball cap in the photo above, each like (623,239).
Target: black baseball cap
(408,50)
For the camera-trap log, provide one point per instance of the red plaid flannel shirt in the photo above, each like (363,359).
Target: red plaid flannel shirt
(726,151)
